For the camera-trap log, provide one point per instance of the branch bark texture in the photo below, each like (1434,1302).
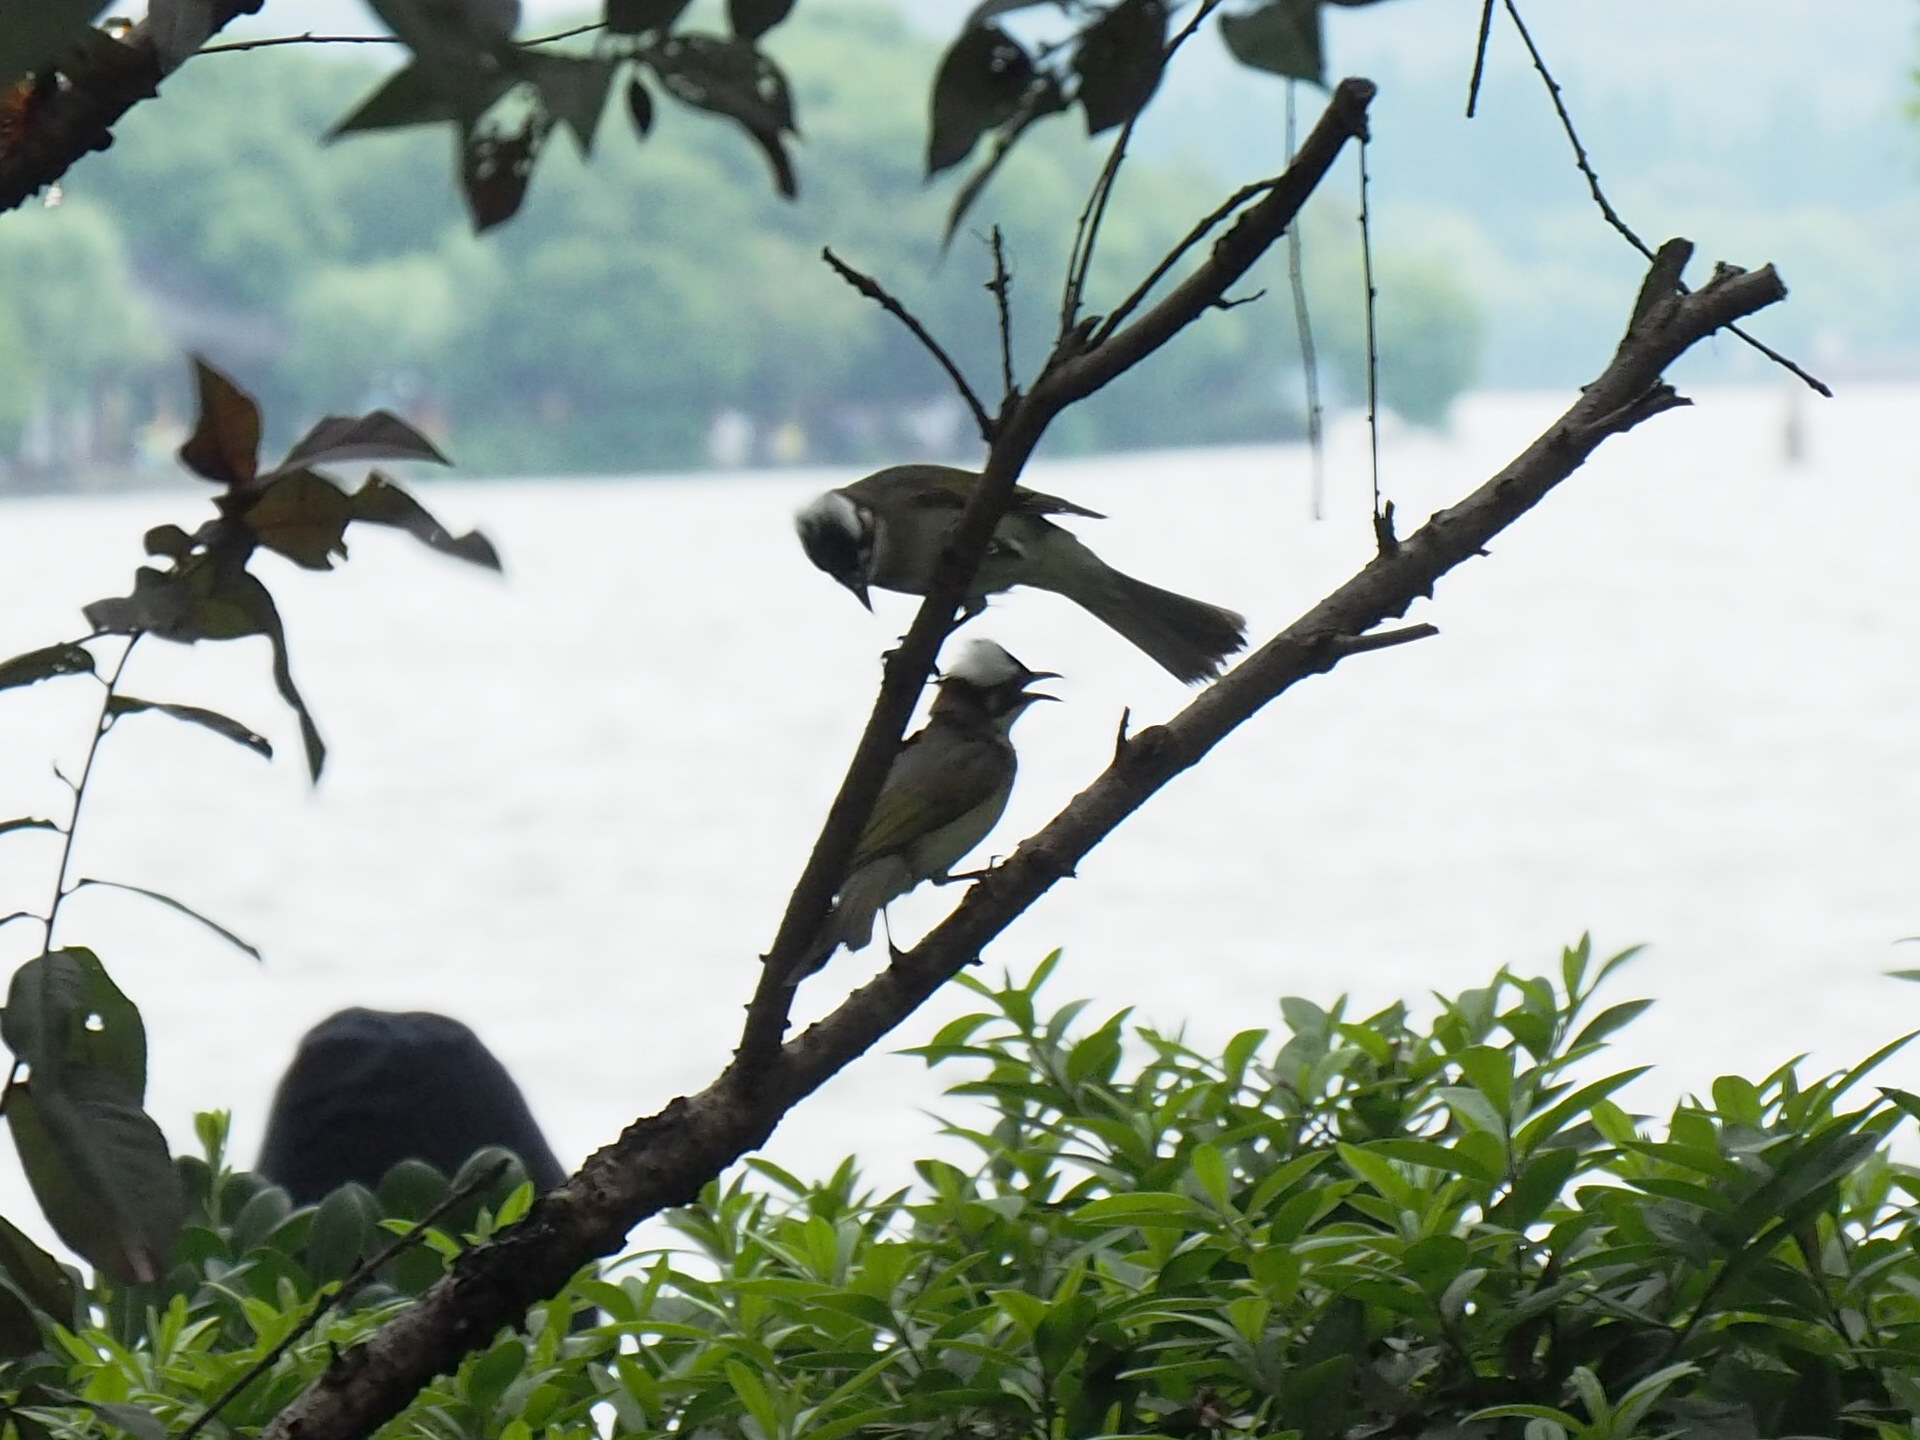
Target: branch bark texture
(74,121)
(663,1160)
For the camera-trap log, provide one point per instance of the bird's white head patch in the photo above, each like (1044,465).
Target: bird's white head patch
(985,664)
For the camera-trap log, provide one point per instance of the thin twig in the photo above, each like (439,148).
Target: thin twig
(1612,216)
(1087,233)
(1223,212)
(1373,338)
(357,1280)
(873,290)
(1002,287)
(1303,325)
(1480,57)
(101,725)
(228,47)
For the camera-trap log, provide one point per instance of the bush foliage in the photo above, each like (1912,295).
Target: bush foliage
(1350,1227)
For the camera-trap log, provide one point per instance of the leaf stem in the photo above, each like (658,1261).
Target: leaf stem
(101,725)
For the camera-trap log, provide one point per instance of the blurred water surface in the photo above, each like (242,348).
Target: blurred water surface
(1679,704)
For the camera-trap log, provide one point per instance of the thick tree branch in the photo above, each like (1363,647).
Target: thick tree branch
(78,119)
(663,1160)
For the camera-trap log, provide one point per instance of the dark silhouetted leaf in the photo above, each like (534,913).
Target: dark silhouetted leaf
(100,1170)
(640,107)
(302,516)
(225,444)
(1044,98)
(19,1331)
(31,34)
(342,439)
(750,19)
(450,25)
(169,541)
(1119,62)
(159,604)
(208,719)
(45,664)
(406,97)
(26,823)
(341,1231)
(574,88)
(1283,38)
(42,1280)
(635,17)
(64,1011)
(173,904)
(731,78)
(494,172)
(982,80)
(381,502)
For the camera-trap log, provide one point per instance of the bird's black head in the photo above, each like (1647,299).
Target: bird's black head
(837,535)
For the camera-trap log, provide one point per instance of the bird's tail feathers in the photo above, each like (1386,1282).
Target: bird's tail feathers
(1189,638)
(866,892)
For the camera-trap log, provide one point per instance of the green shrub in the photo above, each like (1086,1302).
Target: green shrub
(1352,1228)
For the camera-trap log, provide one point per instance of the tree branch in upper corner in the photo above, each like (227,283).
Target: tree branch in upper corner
(663,1160)
(77,119)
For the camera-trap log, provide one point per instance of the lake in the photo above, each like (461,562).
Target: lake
(1679,704)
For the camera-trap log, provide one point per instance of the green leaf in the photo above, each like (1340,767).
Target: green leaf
(136,1420)
(63,1010)
(225,444)
(636,17)
(341,1230)
(343,439)
(982,80)
(193,715)
(1119,62)
(750,19)
(99,1169)
(32,34)
(1282,38)
(1610,1020)
(26,822)
(173,904)
(381,502)
(42,1280)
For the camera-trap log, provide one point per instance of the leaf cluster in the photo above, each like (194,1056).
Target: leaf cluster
(1348,1227)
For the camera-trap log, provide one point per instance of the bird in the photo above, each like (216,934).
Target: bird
(946,788)
(888,530)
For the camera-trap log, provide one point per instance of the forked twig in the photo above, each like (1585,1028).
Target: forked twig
(1002,288)
(875,292)
(1612,216)
(1223,212)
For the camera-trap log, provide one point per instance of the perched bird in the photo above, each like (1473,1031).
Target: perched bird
(945,791)
(889,529)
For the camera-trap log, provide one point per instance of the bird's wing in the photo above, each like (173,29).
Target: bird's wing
(1032,502)
(925,791)
(949,487)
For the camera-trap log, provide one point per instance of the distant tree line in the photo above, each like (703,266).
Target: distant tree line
(654,308)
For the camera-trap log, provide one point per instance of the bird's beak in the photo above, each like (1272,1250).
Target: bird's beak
(859,593)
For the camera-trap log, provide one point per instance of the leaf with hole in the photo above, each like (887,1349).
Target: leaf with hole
(1283,38)
(1119,62)
(302,516)
(179,905)
(45,664)
(496,168)
(982,80)
(212,720)
(731,78)
(636,17)
(169,542)
(381,502)
(344,439)
(64,1010)
(225,444)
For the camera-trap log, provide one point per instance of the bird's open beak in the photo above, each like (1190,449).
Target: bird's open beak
(1033,677)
